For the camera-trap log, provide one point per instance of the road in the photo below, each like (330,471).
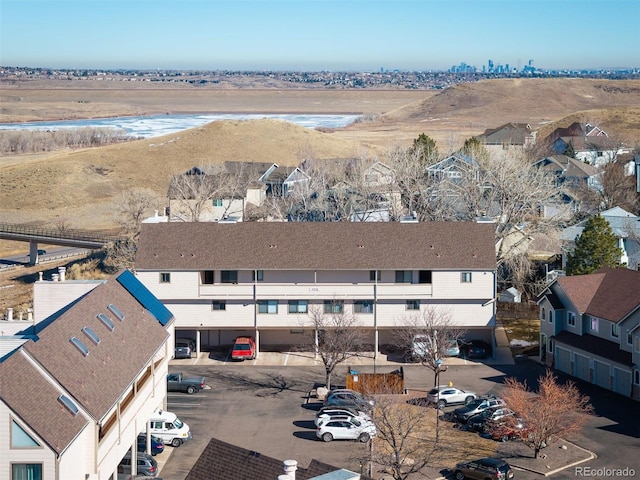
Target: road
(264,409)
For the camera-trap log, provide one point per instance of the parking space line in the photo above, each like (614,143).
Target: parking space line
(286,359)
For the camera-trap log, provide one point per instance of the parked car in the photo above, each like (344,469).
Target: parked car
(484,469)
(346,429)
(452,349)
(419,348)
(147,466)
(444,395)
(476,349)
(184,348)
(479,422)
(244,348)
(328,412)
(349,398)
(176,382)
(157,444)
(169,428)
(479,405)
(505,431)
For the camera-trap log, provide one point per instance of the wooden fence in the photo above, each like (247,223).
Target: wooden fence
(376,383)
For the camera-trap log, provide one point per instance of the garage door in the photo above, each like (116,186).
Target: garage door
(563,360)
(622,382)
(602,374)
(582,368)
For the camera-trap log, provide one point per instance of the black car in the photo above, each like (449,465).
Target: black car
(476,349)
(484,469)
(479,422)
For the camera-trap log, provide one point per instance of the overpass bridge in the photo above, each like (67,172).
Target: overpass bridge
(53,236)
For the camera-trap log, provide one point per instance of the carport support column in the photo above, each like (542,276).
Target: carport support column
(197,342)
(257,343)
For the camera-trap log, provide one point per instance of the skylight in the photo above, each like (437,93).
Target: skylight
(116,311)
(80,345)
(91,334)
(68,404)
(107,321)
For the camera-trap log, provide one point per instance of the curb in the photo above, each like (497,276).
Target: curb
(590,456)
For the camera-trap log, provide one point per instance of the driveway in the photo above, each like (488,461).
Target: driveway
(264,408)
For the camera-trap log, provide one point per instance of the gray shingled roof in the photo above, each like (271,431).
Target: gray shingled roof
(316,245)
(97,380)
(223,461)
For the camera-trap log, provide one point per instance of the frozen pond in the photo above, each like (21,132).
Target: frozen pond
(157,125)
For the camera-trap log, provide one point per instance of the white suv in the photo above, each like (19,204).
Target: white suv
(346,429)
(445,395)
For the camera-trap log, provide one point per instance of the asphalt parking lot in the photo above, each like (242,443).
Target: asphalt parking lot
(264,409)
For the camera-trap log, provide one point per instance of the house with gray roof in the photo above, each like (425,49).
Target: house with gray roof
(510,136)
(78,386)
(263,279)
(625,226)
(590,328)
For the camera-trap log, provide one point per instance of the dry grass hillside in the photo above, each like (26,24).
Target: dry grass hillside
(80,187)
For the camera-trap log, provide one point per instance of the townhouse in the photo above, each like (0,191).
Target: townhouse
(590,328)
(265,278)
(78,386)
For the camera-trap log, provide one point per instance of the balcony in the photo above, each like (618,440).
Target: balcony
(308,291)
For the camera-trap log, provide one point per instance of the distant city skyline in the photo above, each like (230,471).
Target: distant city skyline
(316,35)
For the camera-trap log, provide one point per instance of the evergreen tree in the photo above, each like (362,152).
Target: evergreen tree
(596,247)
(425,148)
(570,151)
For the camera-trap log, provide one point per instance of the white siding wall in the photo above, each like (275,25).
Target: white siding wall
(8,455)
(448,285)
(49,297)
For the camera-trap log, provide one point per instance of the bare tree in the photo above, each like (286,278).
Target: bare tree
(336,336)
(426,337)
(405,443)
(133,206)
(557,410)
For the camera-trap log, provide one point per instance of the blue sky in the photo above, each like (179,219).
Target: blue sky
(318,34)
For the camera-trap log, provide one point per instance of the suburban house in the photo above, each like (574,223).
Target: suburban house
(455,169)
(590,328)
(78,386)
(518,136)
(577,129)
(594,151)
(625,225)
(222,461)
(264,278)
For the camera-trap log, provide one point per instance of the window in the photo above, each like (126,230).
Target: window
(424,276)
(413,304)
(374,275)
(571,319)
(229,276)
(595,325)
(20,438)
(465,277)
(542,314)
(363,306)
(550,316)
(257,275)
(636,345)
(636,377)
(629,338)
(26,471)
(165,277)
(207,277)
(403,276)
(333,306)
(216,202)
(615,330)
(268,306)
(550,346)
(298,306)
(218,305)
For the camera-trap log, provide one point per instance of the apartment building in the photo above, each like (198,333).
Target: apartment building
(265,278)
(78,386)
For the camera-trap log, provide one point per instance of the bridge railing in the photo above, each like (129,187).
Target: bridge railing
(53,233)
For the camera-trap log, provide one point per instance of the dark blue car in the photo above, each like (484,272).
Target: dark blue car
(157,445)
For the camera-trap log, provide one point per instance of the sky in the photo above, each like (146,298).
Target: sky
(314,35)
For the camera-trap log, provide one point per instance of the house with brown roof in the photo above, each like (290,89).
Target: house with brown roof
(510,136)
(223,461)
(264,278)
(78,386)
(590,328)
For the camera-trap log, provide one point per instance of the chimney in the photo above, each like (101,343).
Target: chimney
(40,276)
(61,272)
(9,314)
(29,315)
(290,467)
(55,277)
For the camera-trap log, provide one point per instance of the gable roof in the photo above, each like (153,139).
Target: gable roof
(565,166)
(611,293)
(316,245)
(509,133)
(623,224)
(96,381)
(223,461)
